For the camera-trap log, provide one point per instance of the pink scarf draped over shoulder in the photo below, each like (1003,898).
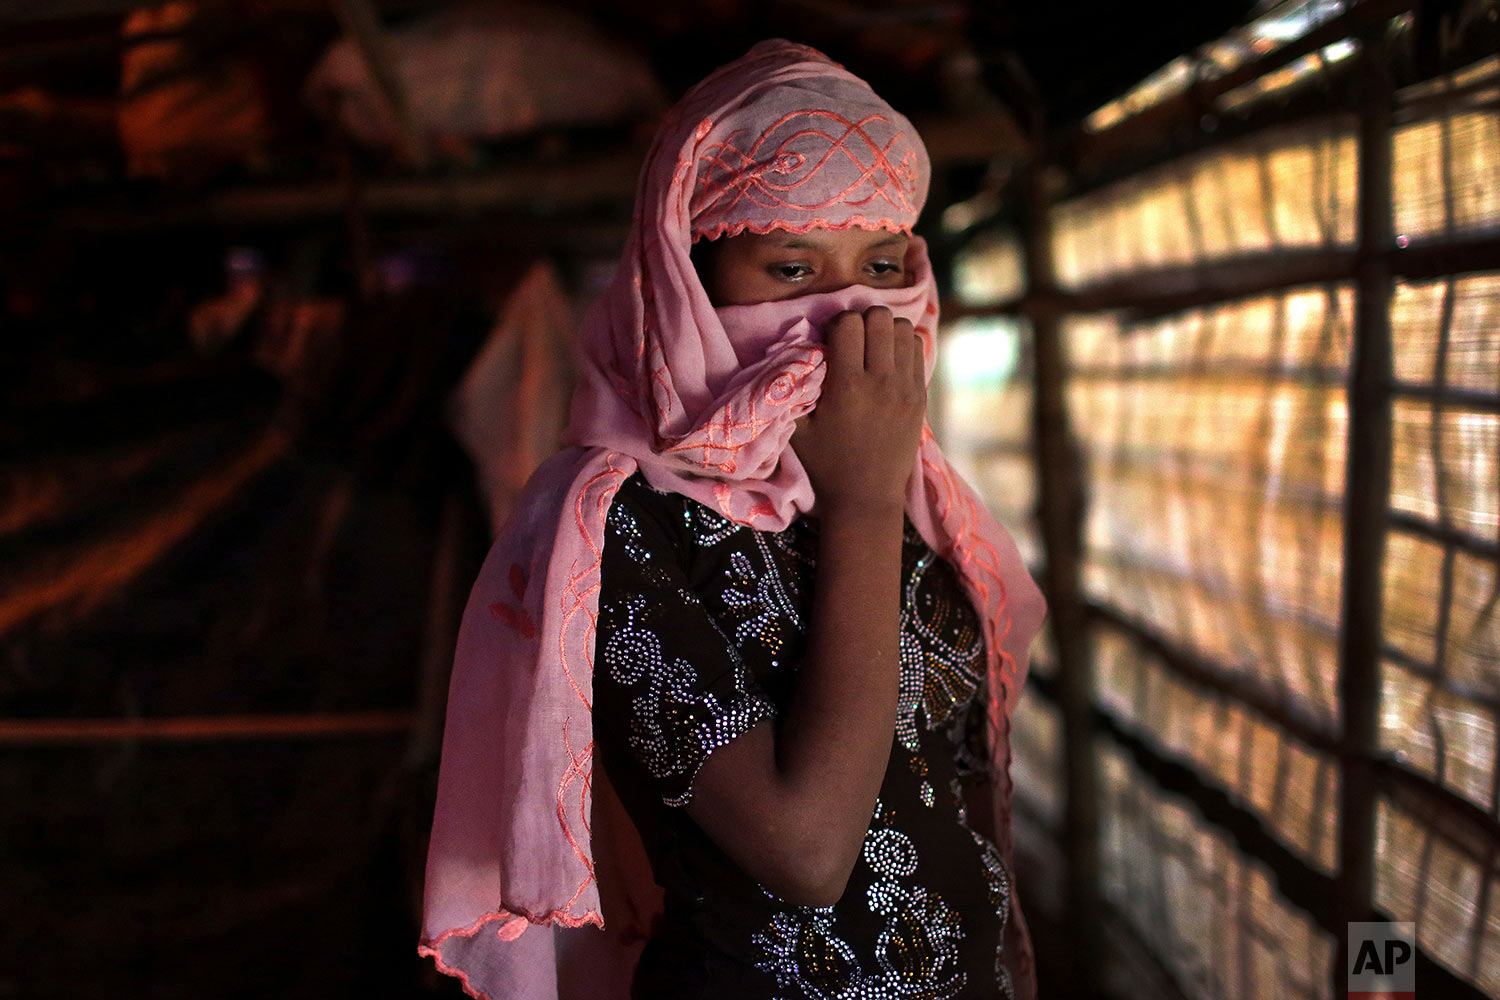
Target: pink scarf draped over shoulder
(703,402)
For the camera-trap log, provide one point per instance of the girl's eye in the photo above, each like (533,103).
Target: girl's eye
(790,272)
(884,268)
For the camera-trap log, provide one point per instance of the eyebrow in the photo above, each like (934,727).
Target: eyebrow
(801,243)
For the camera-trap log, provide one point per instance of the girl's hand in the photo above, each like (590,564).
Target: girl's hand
(859,444)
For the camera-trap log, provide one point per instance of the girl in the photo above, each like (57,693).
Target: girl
(756,595)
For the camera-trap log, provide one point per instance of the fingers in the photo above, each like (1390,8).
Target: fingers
(880,341)
(860,440)
(876,342)
(845,345)
(905,336)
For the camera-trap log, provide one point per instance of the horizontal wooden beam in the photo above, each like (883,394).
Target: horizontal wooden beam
(1163,291)
(1258,371)
(1248,690)
(1460,822)
(531,188)
(526,189)
(1484,548)
(200,729)
(1439,256)
(1082,149)
(1484,697)
(1449,397)
(1167,290)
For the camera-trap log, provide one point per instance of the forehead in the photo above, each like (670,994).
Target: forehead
(818,240)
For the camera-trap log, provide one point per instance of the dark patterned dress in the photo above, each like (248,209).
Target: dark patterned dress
(700,630)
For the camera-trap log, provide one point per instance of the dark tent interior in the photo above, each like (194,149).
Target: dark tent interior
(287,289)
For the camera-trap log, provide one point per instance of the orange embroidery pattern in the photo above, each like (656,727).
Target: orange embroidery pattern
(576,638)
(716,443)
(515,616)
(783,169)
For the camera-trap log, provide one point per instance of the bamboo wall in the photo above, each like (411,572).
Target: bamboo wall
(1282,382)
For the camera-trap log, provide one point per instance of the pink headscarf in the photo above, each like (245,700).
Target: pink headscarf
(703,402)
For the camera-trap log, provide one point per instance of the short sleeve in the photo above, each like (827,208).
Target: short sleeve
(670,688)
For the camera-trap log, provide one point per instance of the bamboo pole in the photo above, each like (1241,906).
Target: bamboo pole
(1060,499)
(1366,493)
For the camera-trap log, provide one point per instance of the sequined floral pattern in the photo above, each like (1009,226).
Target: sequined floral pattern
(680,710)
(996,882)
(916,952)
(700,632)
(942,650)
